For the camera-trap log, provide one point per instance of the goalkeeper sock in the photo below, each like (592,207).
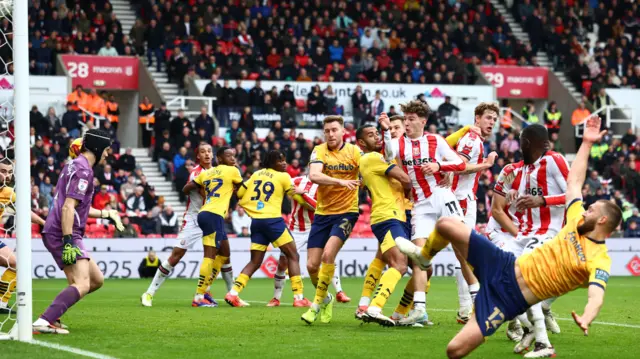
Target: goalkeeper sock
(297,287)
(371,280)
(278,284)
(324,280)
(164,270)
(67,298)
(387,285)
(206,268)
(227,275)
(435,243)
(336,283)
(405,305)
(239,284)
(7,285)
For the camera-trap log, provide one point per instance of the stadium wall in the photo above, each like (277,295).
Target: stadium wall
(44,91)
(119,258)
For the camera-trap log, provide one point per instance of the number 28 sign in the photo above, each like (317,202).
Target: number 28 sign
(102,72)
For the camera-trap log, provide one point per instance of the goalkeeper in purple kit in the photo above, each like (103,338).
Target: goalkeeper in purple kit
(65,226)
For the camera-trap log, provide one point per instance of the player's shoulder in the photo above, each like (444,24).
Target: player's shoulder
(556,157)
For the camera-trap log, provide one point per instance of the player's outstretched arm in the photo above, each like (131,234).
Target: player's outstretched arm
(398,174)
(36,219)
(591,310)
(479,167)
(391,146)
(578,171)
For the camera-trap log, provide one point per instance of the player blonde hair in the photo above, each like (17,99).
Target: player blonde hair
(486,106)
(330,119)
(416,106)
(396,118)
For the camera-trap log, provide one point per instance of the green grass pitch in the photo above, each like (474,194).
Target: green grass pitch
(112,322)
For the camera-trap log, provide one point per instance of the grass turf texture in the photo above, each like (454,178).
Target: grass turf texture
(112,322)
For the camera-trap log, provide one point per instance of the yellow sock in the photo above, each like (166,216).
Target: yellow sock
(372,277)
(217,265)
(405,303)
(324,281)
(240,283)
(435,244)
(205,273)
(314,279)
(428,286)
(386,287)
(7,284)
(296,285)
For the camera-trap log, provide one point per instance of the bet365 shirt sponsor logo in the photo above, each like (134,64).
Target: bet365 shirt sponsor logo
(418,161)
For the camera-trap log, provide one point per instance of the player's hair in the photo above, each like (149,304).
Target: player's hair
(416,106)
(486,106)
(613,213)
(330,119)
(536,133)
(396,118)
(272,158)
(6,161)
(221,151)
(360,131)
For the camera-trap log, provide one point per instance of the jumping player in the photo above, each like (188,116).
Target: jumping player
(261,197)
(65,226)
(334,167)
(576,257)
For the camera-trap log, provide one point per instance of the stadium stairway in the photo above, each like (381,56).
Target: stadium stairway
(168,90)
(155,178)
(126,15)
(541,57)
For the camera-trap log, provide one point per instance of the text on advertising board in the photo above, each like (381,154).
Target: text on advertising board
(102,72)
(518,82)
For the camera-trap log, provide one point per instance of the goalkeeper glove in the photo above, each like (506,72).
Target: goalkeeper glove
(115,217)
(70,251)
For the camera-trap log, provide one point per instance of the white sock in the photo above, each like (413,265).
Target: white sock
(546,304)
(315,307)
(161,274)
(364,301)
(298,296)
(524,320)
(473,291)
(464,297)
(278,284)
(227,275)
(327,299)
(539,327)
(198,297)
(336,283)
(419,299)
(233,292)
(41,322)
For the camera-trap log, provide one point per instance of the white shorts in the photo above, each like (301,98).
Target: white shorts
(301,239)
(442,203)
(190,233)
(526,244)
(504,241)
(471,213)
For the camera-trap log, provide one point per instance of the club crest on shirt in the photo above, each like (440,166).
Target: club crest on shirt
(416,152)
(83,185)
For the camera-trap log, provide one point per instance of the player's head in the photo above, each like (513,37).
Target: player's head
(486,115)
(369,139)
(226,156)
(204,156)
(533,142)
(333,127)
(396,128)
(6,172)
(96,142)
(75,147)
(602,216)
(415,117)
(275,160)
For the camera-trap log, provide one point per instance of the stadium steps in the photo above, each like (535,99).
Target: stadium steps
(168,89)
(126,15)
(155,178)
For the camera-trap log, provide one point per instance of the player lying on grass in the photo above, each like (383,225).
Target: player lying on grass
(65,227)
(576,257)
(261,197)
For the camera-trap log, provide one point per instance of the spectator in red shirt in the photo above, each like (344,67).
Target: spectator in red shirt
(102,198)
(349,133)
(301,58)
(294,169)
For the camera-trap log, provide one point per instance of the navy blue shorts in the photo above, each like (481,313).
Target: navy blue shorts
(326,226)
(407,225)
(500,298)
(386,232)
(269,230)
(212,226)
(2,245)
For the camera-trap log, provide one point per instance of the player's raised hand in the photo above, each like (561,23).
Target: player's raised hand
(384,121)
(512,195)
(492,157)
(430,169)
(580,323)
(446,181)
(592,131)
(475,129)
(299,190)
(350,184)
(529,201)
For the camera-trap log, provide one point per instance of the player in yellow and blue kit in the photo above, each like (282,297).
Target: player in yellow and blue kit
(218,184)
(334,167)
(576,257)
(261,197)
(387,216)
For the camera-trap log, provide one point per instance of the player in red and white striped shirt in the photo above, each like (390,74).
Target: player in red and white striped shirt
(300,226)
(465,185)
(424,157)
(541,201)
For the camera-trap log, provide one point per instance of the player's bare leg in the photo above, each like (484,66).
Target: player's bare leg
(323,301)
(468,339)
(164,270)
(314,259)
(293,264)
(232,298)
(397,268)
(8,279)
(371,278)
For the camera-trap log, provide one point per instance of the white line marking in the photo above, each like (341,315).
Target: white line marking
(634,326)
(69,349)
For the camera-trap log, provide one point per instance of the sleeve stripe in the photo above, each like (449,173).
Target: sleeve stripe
(244,185)
(316,161)
(389,169)
(499,192)
(465,155)
(597,285)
